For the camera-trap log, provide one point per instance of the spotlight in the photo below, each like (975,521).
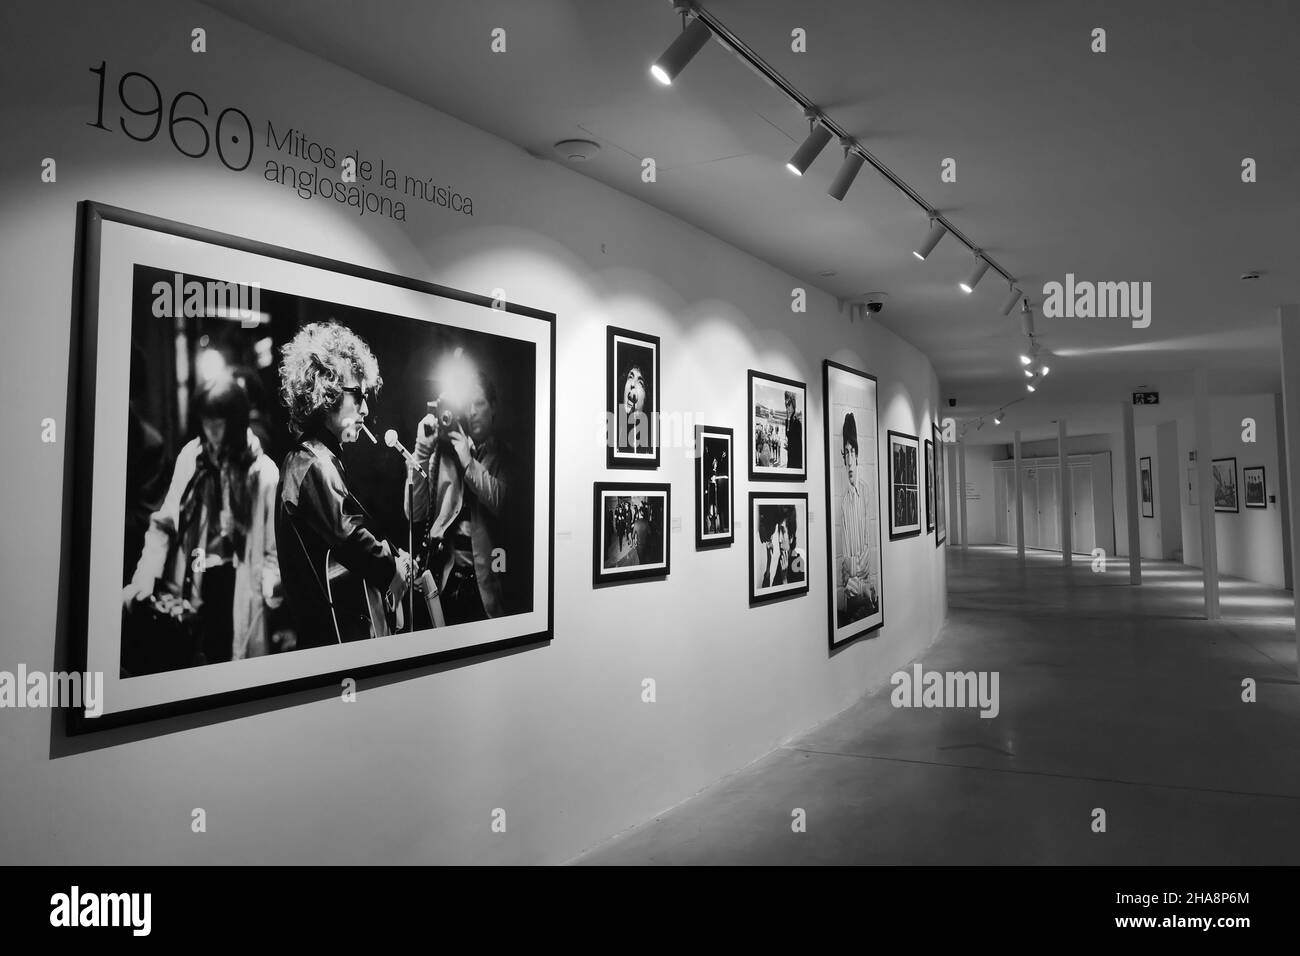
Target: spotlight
(803,157)
(681,51)
(1011,302)
(983,266)
(1043,370)
(844,178)
(1029,373)
(1025,359)
(1027,318)
(937,229)
(997,419)
(1030,386)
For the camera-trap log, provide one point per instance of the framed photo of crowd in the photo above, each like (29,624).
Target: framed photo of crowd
(630,531)
(1253,479)
(631,399)
(904,489)
(715,496)
(290,468)
(1224,473)
(855,587)
(777,442)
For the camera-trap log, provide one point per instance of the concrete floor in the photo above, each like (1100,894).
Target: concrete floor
(1112,696)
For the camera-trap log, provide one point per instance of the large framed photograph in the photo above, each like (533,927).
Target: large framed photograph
(715,498)
(940,487)
(630,531)
(631,399)
(904,490)
(778,545)
(1225,484)
(855,589)
(1253,478)
(777,443)
(290,469)
(1148,488)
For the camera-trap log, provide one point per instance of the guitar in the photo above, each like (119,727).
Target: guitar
(359,609)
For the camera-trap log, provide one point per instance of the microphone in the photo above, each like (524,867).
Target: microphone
(390,439)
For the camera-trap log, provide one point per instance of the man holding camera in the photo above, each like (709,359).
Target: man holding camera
(463,499)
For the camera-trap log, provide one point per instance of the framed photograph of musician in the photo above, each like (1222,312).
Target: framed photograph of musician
(631,399)
(940,487)
(778,545)
(629,531)
(1253,479)
(904,491)
(715,497)
(777,443)
(245,521)
(1147,488)
(854,587)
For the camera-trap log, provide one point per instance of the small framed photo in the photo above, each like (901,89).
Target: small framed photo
(940,487)
(904,492)
(777,443)
(630,531)
(1148,492)
(631,399)
(1225,485)
(1253,478)
(715,500)
(778,552)
(929,486)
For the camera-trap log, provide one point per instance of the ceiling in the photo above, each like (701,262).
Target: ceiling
(1114,166)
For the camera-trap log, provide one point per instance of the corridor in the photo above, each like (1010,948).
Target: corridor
(1112,697)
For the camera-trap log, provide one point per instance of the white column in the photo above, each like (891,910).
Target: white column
(1131,497)
(961,488)
(1020,506)
(1067,509)
(1205,500)
(1289,318)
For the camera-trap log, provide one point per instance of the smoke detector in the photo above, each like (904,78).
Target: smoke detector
(577,150)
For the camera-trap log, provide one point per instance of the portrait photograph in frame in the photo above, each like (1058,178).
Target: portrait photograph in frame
(778,441)
(855,586)
(1254,490)
(631,399)
(630,531)
(778,545)
(904,459)
(1146,487)
(227,399)
(715,495)
(940,487)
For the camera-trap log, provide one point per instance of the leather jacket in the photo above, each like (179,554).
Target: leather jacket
(315,517)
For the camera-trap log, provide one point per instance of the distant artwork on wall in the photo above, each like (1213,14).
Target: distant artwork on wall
(777,443)
(1225,484)
(929,486)
(904,487)
(631,399)
(1253,478)
(715,498)
(940,488)
(856,590)
(1148,495)
(1191,485)
(778,545)
(630,534)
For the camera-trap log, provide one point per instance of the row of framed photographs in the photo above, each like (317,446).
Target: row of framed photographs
(1224,471)
(631,519)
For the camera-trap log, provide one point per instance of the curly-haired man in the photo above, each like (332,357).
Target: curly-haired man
(334,568)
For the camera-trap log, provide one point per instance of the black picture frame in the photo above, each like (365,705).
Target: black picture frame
(605,525)
(940,486)
(769,425)
(850,392)
(1249,498)
(767,509)
(1226,491)
(1146,487)
(903,457)
(113,244)
(929,486)
(625,350)
(715,491)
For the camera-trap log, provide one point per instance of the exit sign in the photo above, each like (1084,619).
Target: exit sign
(1146,398)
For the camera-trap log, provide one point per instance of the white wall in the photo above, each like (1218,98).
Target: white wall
(556,735)
(981,525)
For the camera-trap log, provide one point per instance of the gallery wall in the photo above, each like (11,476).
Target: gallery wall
(558,736)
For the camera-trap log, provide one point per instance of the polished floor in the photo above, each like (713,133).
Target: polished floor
(1112,697)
